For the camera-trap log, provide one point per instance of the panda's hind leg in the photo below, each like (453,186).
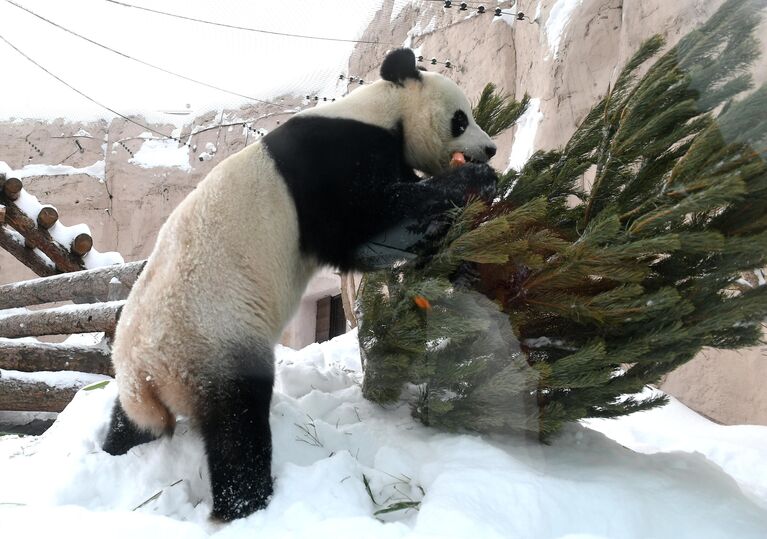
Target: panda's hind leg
(138,417)
(234,420)
(124,434)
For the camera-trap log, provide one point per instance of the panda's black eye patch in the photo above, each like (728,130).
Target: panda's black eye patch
(459,123)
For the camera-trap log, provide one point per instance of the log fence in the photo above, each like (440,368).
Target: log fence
(97,296)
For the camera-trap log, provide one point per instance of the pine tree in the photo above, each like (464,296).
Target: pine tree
(556,303)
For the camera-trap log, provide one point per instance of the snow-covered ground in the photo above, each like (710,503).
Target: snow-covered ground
(341,462)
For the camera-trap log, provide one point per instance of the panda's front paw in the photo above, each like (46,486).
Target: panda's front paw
(483,181)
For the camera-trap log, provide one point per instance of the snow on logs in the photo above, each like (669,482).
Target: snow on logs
(24,396)
(66,248)
(66,320)
(85,286)
(27,356)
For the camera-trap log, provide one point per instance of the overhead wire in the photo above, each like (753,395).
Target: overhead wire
(86,96)
(129,57)
(167,71)
(245,28)
(138,60)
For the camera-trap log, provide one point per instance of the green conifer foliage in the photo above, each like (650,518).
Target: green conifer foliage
(576,299)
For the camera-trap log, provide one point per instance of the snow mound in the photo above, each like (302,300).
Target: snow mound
(339,461)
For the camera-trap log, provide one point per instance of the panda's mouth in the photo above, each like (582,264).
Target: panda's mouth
(458,159)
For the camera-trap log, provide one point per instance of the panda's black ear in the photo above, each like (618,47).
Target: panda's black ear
(399,65)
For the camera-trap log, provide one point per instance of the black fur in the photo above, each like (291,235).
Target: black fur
(123,434)
(459,123)
(234,420)
(399,65)
(426,218)
(340,174)
(350,183)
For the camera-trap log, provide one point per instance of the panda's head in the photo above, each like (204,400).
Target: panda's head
(436,116)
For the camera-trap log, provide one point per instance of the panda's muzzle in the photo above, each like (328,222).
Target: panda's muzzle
(460,158)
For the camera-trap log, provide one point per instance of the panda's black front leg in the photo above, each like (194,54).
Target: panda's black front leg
(237,436)
(457,185)
(417,213)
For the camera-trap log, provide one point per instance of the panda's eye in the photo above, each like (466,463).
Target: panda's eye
(459,123)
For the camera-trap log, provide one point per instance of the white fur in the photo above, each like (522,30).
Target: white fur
(425,107)
(227,267)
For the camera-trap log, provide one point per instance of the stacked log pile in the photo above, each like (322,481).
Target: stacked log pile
(107,287)
(98,296)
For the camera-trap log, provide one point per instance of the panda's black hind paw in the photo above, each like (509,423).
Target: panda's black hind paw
(226,510)
(123,435)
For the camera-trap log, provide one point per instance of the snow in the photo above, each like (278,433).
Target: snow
(524,136)
(86,339)
(95,259)
(740,450)
(97,170)
(59,379)
(398,6)
(239,61)
(64,235)
(507,15)
(559,17)
(156,152)
(13,312)
(29,204)
(678,476)
(44,257)
(15,236)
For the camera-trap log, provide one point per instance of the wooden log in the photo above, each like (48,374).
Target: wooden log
(26,423)
(82,244)
(47,217)
(93,283)
(21,396)
(38,237)
(24,255)
(87,318)
(12,188)
(117,291)
(42,356)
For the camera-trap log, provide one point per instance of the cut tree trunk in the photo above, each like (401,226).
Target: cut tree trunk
(90,284)
(12,188)
(348,297)
(41,356)
(38,237)
(20,396)
(47,217)
(25,255)
(87,318)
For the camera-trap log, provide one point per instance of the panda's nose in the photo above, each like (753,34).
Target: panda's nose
(490,151)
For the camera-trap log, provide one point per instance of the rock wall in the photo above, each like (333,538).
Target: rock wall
(565,60)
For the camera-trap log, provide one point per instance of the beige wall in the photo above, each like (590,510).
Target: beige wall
(301,329)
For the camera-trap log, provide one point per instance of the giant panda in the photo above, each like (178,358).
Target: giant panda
(196,335)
